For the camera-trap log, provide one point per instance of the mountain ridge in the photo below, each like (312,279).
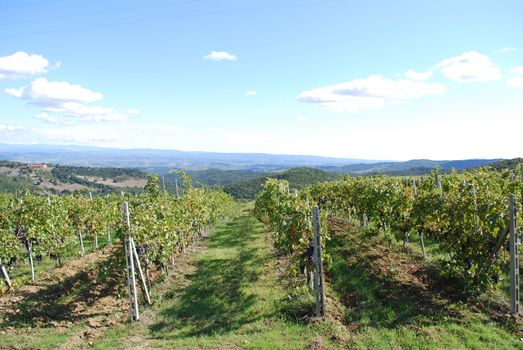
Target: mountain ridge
(144,158)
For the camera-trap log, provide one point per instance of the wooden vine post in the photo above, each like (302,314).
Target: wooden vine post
(6,275)
(309,275)
(514,256)
(521,236)
(131,281)
(31,262)
(129,261)
(81,238)
(132,261)
(421,234)
(422,239)
(438,186)
(144,283)
(318,273)
(95,234)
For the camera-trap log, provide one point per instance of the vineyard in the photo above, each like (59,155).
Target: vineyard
(35,227)
(417,262)
(465,216)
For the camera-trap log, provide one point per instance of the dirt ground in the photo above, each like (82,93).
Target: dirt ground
(84,298)
(85,291)
(132,182)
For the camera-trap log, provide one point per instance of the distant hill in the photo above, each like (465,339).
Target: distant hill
(411,167)
(43,177)
(16,176)
(213,177)
(509,164)
(151,159)
(297,177)
(243,184)
(161,161)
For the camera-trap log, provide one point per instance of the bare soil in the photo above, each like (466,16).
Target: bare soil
(132,182)
(82,292)
(62,186)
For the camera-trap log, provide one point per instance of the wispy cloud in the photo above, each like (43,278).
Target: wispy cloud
(251,93)
(68,99)
(220,56)
(422,76)
(21,65)
(506,50)
(517,81)
(368,93)
(147,135)
(11,128)
(469,67)
(133,111)
(46,118)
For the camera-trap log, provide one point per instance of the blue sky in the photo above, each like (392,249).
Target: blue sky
(361,79)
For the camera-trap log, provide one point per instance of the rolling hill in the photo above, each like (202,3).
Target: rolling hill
(16,176)
(411,167)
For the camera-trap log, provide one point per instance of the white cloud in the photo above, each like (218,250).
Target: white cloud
(68,99)
(56,65)
(469,67)
(46,118)
(220,56)
(369,93)
(516,82)
(302,119)
(506,50)
(410,74)
(89,113)
(133,111)
(20,65)
(44,92)
(15,92)
(82,138)
(9,128)
(251,93)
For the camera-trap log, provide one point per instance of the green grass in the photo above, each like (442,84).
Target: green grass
(389,312)
(442,336)
(231,299)
(36,339)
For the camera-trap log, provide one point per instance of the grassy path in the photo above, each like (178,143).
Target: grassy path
(227,296)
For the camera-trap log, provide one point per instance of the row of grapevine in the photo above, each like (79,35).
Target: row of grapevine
(51,225)
(163,225)
(289,215)
(464,213)
(56,226)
